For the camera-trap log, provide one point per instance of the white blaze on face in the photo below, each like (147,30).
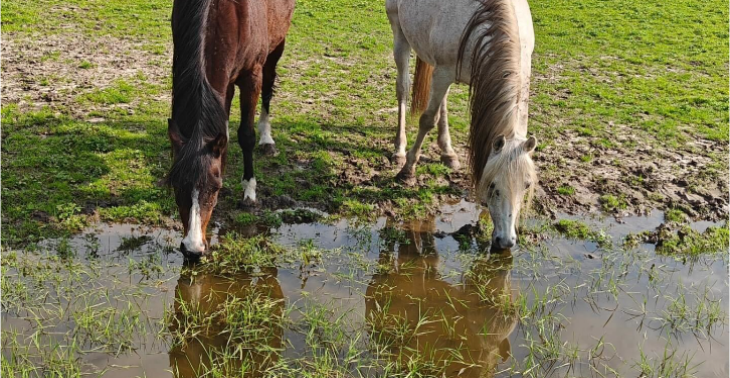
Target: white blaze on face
(249,189)
(504,212)
(193,241)
(265,128)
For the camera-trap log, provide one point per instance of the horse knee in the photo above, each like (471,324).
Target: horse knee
(426,122)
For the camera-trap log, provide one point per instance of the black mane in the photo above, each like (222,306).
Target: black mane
(197,109)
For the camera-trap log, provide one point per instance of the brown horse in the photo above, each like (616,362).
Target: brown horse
(226,299)
(219,44)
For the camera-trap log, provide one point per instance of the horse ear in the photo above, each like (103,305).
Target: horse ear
(498,144)
(219,144)
(529,145)
(505,349)
(174,134)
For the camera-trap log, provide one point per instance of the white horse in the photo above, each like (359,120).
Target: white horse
(487,44)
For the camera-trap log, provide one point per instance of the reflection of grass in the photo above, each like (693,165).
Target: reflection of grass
(76,309)
(133,243)
(236,330)
(236,326)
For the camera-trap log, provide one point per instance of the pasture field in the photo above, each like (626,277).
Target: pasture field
(339,270)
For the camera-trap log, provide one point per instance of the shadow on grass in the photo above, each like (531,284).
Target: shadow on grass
(59,173)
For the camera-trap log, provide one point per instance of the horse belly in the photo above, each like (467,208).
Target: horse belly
(433,28)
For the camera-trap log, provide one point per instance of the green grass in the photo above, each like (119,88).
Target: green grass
(238,254)
(609,76)
(612,203)
(665,78)
(690,242)
(566,190)
(245,219)
(575,229)
(675,215)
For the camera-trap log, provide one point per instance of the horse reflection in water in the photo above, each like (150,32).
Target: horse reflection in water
(243,335)
(419,320)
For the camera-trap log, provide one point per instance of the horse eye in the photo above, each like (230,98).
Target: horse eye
(528,185)
(491,192)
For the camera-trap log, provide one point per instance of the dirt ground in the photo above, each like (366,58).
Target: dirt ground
(642,177)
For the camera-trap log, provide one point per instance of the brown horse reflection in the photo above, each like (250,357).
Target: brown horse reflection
(211,346)
(418,319)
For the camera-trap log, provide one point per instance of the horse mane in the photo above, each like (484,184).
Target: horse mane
(494,91)
(197,109)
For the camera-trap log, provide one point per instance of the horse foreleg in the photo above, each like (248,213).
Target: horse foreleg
(250,85)
(266,142)
(401,54)
(230,91)
(448,156)
(441,81)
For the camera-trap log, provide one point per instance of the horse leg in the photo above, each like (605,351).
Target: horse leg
(441,81)
(250,85)
(448,156)
(266,142)
(401,54)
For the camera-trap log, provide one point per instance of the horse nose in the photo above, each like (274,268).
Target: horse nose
(505,243)
(191,254)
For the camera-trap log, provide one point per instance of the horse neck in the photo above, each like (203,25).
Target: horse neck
(496,82)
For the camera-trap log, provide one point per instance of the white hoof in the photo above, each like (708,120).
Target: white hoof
(266,139)
(265,129)
(249,189)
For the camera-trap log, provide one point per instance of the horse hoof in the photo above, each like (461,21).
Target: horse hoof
(398,160)
(406,176)
(247,204)
(451,161)
(268,149)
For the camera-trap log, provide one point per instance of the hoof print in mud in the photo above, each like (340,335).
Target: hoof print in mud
(268,149)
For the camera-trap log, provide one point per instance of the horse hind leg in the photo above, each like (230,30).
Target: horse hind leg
(401,55)
(266,142)
(441,81)
(448,156)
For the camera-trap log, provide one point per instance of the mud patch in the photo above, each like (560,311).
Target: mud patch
(59,70)
(621,169)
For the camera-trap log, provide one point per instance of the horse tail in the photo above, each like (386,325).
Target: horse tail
(421,86)
(198,114)
(494,90)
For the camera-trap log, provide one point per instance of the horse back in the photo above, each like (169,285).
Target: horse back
(239,36)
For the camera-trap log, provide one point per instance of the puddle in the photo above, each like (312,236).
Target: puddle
(376,299)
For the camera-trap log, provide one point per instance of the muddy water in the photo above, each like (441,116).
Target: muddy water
(418,291)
